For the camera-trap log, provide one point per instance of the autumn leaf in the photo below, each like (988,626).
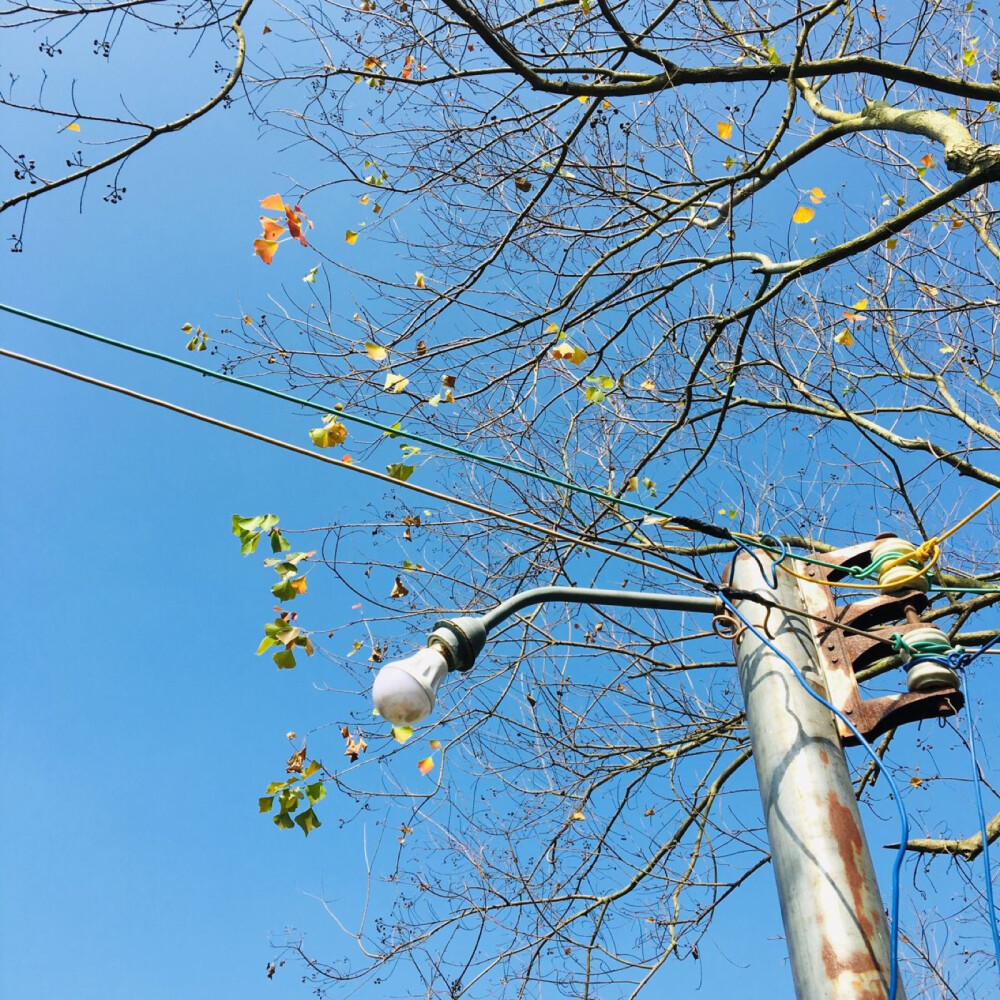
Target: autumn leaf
(265,249)
(273,203)
(375,352)
(725,129)
(803,214)
(402,733)
(647,384)
(426,765)
(577,816)
(845,338)
(435,744)
(296,761)
(350,237)
(395,383)
(271,230)
(522,184)
(364,199)
(330,435)
(72,127)
(928,160)
(399,589)
(297,222)
(310,278)
(816,195)
(419,279)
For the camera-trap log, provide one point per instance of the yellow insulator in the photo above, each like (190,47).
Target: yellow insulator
(906,575)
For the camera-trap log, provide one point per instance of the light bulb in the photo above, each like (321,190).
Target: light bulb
(405,690)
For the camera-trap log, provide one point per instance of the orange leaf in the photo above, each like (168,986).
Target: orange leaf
(265,249)
(272,230)
(426,765)
(419,279)
(928,160)
(803,214)
(295,220)
(273,203)
(435,744)
(725,129)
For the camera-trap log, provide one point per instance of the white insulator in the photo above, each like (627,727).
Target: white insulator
(926,633)
(903,576)
(929,675)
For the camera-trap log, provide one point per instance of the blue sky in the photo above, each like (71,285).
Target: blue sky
(139,728)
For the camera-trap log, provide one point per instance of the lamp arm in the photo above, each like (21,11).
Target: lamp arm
(461,639)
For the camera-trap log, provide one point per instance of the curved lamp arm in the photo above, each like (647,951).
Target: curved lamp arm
(405,690)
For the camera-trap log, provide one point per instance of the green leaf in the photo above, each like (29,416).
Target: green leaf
(313,767)
(400,471)
(278,542)
(249,545)
(284,822)
(266,643)
(285,659)
(315,792)
(265,804)
(289,799)
(308,821)
(594,395)
(289,588)
(276,786)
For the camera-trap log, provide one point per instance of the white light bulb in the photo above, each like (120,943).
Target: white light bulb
(405,690)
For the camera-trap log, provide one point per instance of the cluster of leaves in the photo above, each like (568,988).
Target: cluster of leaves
(291,584)
(293,792)
(273,230)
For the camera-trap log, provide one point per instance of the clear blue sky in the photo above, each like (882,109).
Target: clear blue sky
(138,727)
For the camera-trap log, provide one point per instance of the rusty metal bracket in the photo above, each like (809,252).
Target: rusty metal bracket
(843,653)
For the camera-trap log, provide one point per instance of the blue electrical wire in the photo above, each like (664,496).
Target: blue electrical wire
(961,659)
(904,823)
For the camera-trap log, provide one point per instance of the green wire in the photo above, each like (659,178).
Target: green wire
(694,523)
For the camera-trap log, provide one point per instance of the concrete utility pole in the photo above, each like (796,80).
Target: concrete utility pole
(838,940)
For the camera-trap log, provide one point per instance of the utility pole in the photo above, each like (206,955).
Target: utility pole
(835,925)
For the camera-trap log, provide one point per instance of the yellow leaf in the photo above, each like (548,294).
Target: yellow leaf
(725,129)
(892,244)
(435,744)
(375,352)
(402,733)
(351,237)
(419,279)
(631,484)
(816,195)
(845,338)
(365,199)
(552,328)
(860,304)
(578,815)
(395,383)
(579,356)
(248,321)
(947,350)
(426,765)
(803,214)
(72,127)
(916,782)
(606,105)
(648,384)
(582,100)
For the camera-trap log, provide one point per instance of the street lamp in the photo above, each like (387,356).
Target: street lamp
(405,690)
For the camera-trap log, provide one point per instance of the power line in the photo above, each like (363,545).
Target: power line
(695,524)
(351,466)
